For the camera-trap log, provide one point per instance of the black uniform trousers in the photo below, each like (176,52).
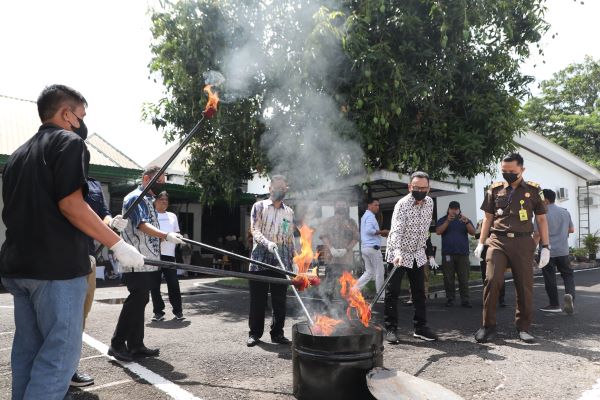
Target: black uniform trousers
(416,277)
(259,292)
(170,275)
(130,326)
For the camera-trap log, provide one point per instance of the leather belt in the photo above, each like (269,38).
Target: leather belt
(512,234)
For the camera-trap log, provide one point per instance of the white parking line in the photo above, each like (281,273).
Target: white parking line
(593,393)
(5,348)
(106,385)
(6,333)
(92,357)
(153,378)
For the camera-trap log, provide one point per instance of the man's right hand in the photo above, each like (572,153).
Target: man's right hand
(272,247)
(397,260)
(384,232)
(338,252)
(478,250)
(127,255)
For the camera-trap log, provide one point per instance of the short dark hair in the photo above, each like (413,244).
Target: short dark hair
(514,157)
(550,195)
(370,200)
(163,194)
(53,97)
(151,170)
(419,174)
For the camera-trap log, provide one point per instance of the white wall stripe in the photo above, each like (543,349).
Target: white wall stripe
(154,379)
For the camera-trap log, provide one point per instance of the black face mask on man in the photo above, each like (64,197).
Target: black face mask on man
(343,211)
(510,177)
(418,195)
(157,187)
(82,131)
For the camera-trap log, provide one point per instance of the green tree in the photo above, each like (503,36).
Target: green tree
(428,84)
(567,110)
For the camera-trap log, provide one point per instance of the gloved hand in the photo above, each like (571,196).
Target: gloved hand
(544,257)
(174,237)
(397,260)
(272,247)
(478,250)
(118,223)
(127,255)
(432,263)
(338,252)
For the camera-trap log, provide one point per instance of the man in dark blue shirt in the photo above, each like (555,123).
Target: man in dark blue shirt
(454,229)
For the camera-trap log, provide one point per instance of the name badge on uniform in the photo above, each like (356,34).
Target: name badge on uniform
(523,212)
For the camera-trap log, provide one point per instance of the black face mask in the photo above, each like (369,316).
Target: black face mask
(82,131)
(157,187)
(510,176)
(418,195)
(342,211)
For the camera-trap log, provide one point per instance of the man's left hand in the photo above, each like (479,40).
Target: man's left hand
(174,237)
(118,223)
(544,257)
(432,263)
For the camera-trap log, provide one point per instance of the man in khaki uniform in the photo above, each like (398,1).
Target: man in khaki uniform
(509,208)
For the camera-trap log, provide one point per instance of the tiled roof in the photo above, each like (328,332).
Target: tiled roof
(19,121)
(179,165)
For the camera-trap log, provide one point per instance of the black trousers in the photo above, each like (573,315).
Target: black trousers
(130,326)
(259,292)
(158,305)
(416,277)
(483,266)
(549,272)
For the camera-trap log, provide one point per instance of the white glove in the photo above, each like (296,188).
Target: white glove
(118,223)
(478,250)
(544,258)
(127,255)
(338,252)
(397,260)
(272,247)
(174,237)
(432,263)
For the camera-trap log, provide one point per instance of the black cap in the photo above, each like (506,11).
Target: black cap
(454,205)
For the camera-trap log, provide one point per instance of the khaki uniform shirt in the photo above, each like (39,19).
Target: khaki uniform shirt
(340,231)
(513,209)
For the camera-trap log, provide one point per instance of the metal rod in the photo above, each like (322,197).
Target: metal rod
(239,257)
(162,170)
(218,272)
(385,283)
(310,321)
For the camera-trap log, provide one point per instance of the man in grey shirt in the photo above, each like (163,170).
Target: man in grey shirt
(559,228)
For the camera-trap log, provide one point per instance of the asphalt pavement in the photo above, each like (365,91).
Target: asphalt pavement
(205,356)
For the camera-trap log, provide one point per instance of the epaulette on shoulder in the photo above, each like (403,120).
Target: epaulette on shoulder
(534,184)
(496,184)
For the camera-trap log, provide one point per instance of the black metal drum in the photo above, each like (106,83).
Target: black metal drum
(335,367)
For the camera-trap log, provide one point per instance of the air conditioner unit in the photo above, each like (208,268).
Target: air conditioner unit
(591,201)
(562,193)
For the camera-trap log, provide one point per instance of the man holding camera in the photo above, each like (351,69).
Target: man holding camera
(455,229)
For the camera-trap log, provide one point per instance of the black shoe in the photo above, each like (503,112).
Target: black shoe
(280,339)
(120,353)
(466,304)
(252,341)
(424,333)
(158,317)
(179,316)
(81,380)
(391,336)
(143,351)
(485,334)
(449,303)
(526,337)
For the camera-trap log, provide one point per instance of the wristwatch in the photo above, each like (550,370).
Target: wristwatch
(546,246)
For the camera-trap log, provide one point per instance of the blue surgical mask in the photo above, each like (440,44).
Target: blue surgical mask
(278,195)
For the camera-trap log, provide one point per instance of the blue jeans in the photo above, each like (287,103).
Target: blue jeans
(47,341)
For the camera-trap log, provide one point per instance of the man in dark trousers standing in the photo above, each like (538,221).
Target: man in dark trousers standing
(44,261)
(509,209)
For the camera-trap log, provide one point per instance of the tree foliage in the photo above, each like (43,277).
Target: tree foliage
(428,84)
(567,110)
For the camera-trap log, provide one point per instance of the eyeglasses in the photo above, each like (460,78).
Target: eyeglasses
(420,188)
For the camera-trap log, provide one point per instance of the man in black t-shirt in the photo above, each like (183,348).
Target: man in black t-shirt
(44,260)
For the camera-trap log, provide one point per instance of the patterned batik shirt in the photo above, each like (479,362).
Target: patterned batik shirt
(148,245)
(410,230)
(270,224)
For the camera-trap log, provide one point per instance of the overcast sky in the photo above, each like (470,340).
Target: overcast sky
(101,49)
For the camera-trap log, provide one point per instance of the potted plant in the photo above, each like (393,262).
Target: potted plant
(591,242)
(580,254)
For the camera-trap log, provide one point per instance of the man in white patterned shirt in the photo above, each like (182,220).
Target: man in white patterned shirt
(406,247)
(272,228)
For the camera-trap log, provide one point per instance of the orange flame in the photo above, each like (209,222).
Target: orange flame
(212,103)
(306,256)
(324,326)
(355,299)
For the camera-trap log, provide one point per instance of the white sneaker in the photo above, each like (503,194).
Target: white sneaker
(568,306)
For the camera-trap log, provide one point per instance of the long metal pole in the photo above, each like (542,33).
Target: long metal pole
(239,257)
(310,321)
(218,272)
(385,283)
